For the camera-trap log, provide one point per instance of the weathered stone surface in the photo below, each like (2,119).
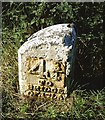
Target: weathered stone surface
(44,64)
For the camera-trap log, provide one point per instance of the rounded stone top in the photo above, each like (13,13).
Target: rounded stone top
(50,35)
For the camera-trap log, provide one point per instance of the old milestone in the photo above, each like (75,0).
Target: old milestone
(45,63)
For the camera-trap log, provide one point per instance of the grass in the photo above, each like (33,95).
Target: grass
(82,105)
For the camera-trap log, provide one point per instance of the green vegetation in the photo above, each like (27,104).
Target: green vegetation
(21,20)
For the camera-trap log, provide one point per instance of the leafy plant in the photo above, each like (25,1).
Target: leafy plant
(51,113)
(24,108)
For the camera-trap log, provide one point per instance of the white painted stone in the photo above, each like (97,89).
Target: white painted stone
(46,43)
